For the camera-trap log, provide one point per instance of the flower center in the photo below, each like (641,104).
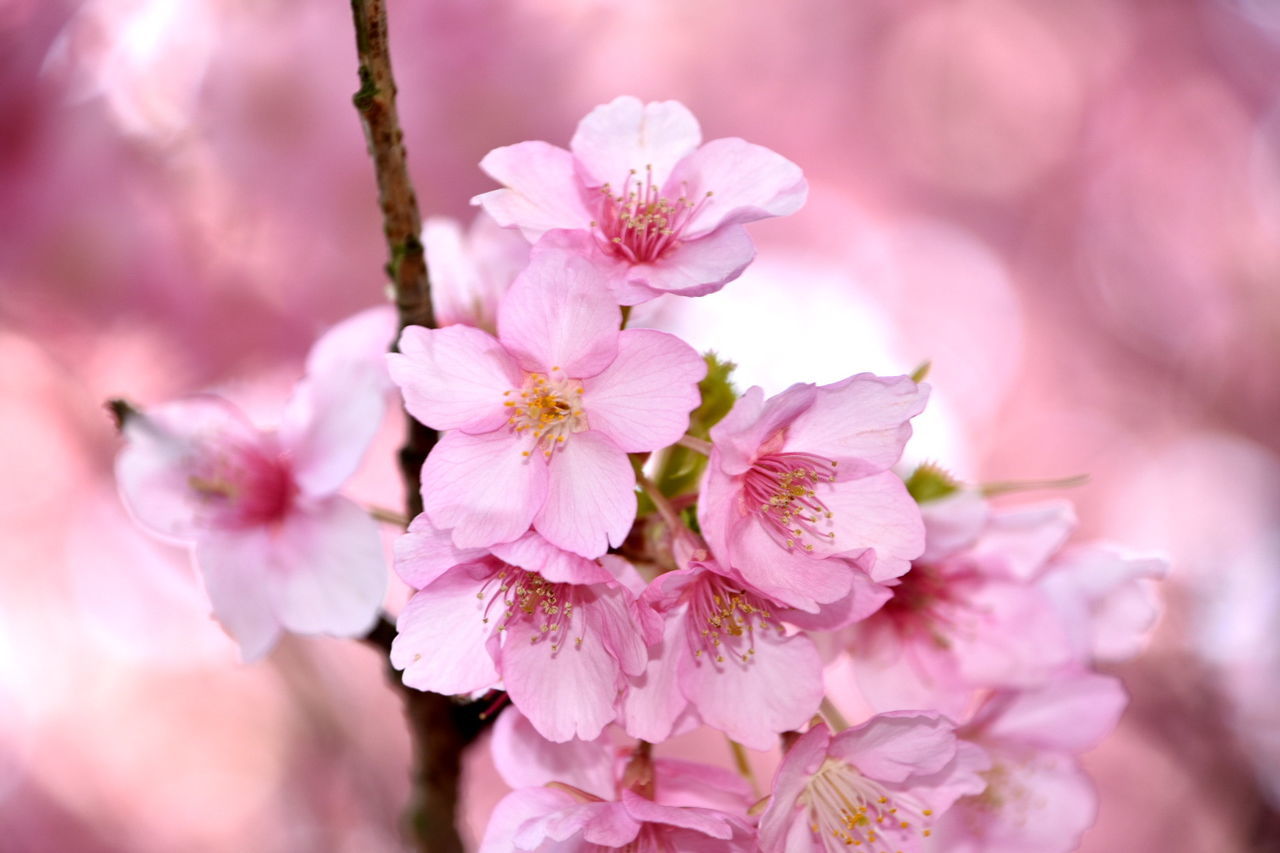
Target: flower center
(526,596)
(846,809)
(781,489)
(638,224)
(928,603)
(240,486)
(548,409)
(723,620)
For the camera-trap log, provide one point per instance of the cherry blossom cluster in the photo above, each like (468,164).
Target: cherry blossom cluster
(624,548)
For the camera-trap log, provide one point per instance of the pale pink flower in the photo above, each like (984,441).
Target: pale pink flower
(798,498)
(725,652)
(969,614)
(658,210)
(876,787)
(1038,799)
(540,420)
(471,270)
(277,548)
(599,798)
(557,631)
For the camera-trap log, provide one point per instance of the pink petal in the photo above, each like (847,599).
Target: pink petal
(234,568)
(591,498)
(747,182)
(165,444)
(559,316)
(442,631)
(861,422)
(481,489)
(1007,634)
(788,577)
(533,553)
(865,598)
(1021,541)
(873,512)
(653,702)
(471,273)
(541,189)
(789,781)
(952,524)
(752,421)
(454,378)
(361,339)
(525,759)
(426,552)
(329,573)
(329,423)
(699,266)
(1105,599)
(1072,714)
(605,824)
(642,400)
(894,746)
(517,809)
(705,821)
(690,783)
(627,134)
(565,692)
(776,690)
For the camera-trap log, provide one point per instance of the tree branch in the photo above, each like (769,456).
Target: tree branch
(439,727)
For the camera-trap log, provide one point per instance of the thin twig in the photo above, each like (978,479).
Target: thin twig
(697,445)
(439,727)
(834,718)
(387,516)
(665,509)
(743,763)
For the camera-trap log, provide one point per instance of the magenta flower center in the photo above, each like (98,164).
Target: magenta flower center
(638,224)
(723,620)
(847,809)
(926,603)
(523,596)
(548,409)
(781,489)
(240,486)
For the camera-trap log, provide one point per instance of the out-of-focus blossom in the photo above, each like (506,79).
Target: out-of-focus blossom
(1037,799)
(657,210)
(542,418)
(642,804)
(877,786)
(798,496)
(471,270)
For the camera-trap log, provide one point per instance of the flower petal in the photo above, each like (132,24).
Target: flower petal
(525,759)
(234,565)
(746,182)
(861,422)
(534,554)
(872,512)
(442,631)
(627,134)
(425,552)
(591,498)
(642,400)
(559,316)
(699,266)
(791,578)
(517,809)
(330,574)
(541,189)
(329,423)
(895,746)
(481,489)
(454,378)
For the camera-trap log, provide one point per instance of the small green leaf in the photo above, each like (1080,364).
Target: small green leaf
(931,482)
(681,467)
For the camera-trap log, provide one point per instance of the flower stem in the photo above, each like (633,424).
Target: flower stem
(697,445)
(388,516)
(665,509)
(743,763)
(834,718)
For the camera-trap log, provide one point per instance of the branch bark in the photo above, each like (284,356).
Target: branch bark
(439,727)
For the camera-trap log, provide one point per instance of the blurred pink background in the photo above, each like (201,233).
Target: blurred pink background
(1072,208)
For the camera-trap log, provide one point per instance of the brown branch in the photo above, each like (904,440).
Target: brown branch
(439,727)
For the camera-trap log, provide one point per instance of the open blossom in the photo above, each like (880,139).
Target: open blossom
(798,497)
(277,548)
(556,630)
(969,614)
(541,419)
(471,270)
(597,798)
(1037,799)
(876,787)
(663,213)
(724,651)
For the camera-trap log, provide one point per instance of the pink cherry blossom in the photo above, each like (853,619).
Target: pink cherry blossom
(876,787)
(1038,799)
(555,629)
(596,797)
(725,652)
(969,613)
(276,547)
(659,211)
(470,271)
(798,497)
(540,420)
